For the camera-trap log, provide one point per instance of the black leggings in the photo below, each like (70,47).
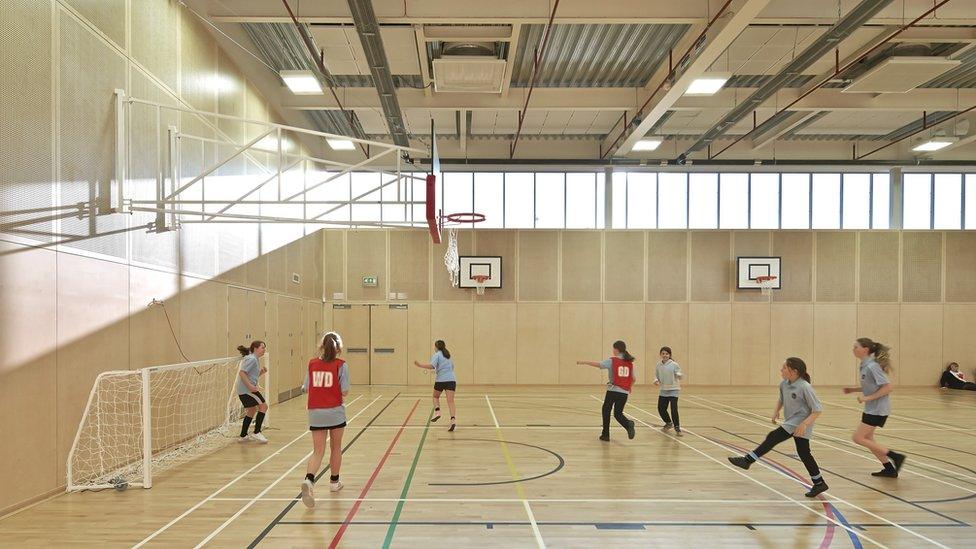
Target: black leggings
(662,408)
(616,401)
(802,449)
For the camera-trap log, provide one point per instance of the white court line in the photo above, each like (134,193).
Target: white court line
(846,451)
(740,473)
(227,522)
(228,485)
(948,398)
(832,498)
(905,418)
(518,487)
(540,500)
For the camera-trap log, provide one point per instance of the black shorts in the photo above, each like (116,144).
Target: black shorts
(249,401)
(339,426)
(873,420)
(445,386)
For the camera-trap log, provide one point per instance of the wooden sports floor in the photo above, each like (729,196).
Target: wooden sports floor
(525,468)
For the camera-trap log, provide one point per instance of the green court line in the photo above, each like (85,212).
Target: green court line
(406,485)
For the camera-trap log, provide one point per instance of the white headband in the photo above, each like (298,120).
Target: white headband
(338,338)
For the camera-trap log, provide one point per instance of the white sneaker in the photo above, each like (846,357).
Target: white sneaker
(308,497)
(259,438)
(335,486)
(244,438)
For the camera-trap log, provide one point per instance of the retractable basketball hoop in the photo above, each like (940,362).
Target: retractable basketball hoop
(766,284)
(451,261)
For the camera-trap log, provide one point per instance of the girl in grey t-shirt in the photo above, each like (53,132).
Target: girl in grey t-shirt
(875,388)
(801,408)
(667,375)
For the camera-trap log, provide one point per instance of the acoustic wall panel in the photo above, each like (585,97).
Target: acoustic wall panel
(623,266)
(667,265)
(796,250)
(836,260)
(878,267)
(922,266)
(581,265)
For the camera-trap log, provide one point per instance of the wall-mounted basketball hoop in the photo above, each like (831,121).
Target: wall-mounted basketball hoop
(479,283)
(767,284)
(452,221)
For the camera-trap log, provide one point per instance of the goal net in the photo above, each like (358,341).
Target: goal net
(140,422)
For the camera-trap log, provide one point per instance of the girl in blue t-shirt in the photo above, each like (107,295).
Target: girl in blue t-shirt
(442,364)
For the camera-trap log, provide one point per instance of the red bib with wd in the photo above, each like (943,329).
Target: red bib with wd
(323,384)
(622,373)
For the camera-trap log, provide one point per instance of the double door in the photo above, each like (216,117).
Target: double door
(375,339)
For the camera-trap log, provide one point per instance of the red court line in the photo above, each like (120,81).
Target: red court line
(369,483)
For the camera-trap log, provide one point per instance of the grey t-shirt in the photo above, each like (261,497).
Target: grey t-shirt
(668,373)
(872,379)
(444,367)
(252,367)
(799,401)
(607,365)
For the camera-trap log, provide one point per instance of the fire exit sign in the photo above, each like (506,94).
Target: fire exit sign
(369,281)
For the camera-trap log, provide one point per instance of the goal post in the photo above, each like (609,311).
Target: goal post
(137,423)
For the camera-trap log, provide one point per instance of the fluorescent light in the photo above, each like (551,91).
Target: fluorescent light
(707,84)
(301,82)
(934,144)
(650,144)
(341,144)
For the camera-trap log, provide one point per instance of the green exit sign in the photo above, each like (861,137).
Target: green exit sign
(369,281)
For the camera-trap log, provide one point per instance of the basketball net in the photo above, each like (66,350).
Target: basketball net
(451,257)
(766,285)
(479,283)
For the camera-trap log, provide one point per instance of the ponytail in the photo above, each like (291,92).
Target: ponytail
(330,346)
(243,350)
(621,348)
(798,366)
(249,350)
(881,352)
(442,347)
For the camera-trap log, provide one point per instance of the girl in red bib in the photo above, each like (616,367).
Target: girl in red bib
(326,382)
(621,370)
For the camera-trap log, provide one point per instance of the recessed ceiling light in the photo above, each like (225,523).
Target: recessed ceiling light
(707,84)
(341,144)
(934,144)
(301,82)
(649,144)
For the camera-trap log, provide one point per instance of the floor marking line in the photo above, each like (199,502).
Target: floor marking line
(199,504)
(845,450)
(406,484)
(742,474)
(369,483)
(905,418)
(831,497)
(541,500)
(511,469)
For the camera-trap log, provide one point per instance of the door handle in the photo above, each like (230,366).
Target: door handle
(358,350)
(385,350)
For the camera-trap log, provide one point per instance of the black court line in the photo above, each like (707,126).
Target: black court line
(277,520)
(618,525)
(838,475)
(562,463)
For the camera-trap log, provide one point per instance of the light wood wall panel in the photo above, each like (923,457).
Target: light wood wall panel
(881,322)
(711,266)
(625,321)
(443,289)
(538,265)
(581,265)
(665,325)
(504,244)
(878,266)
(494,339)
(750,344)
(454,323)
(203,318)
(420,346)
(709,344)
(29,457)
(151,343)
(836,259)
(791,334)
(334,268)
(312,247)
(366,257)
(920,353)
(796,250)
(581,338)
(960,266)
(958,343)
(409,264)
(834,332)
(667,266)
(294,264)
(257,272)
(536,358)
(278,277)
(921,266)
(623,267)
(748,244)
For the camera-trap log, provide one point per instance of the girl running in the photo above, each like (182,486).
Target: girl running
(621,370)
(326,382)
(445,381)
(875,364)
(249,392)
(801,408)
(667,374)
